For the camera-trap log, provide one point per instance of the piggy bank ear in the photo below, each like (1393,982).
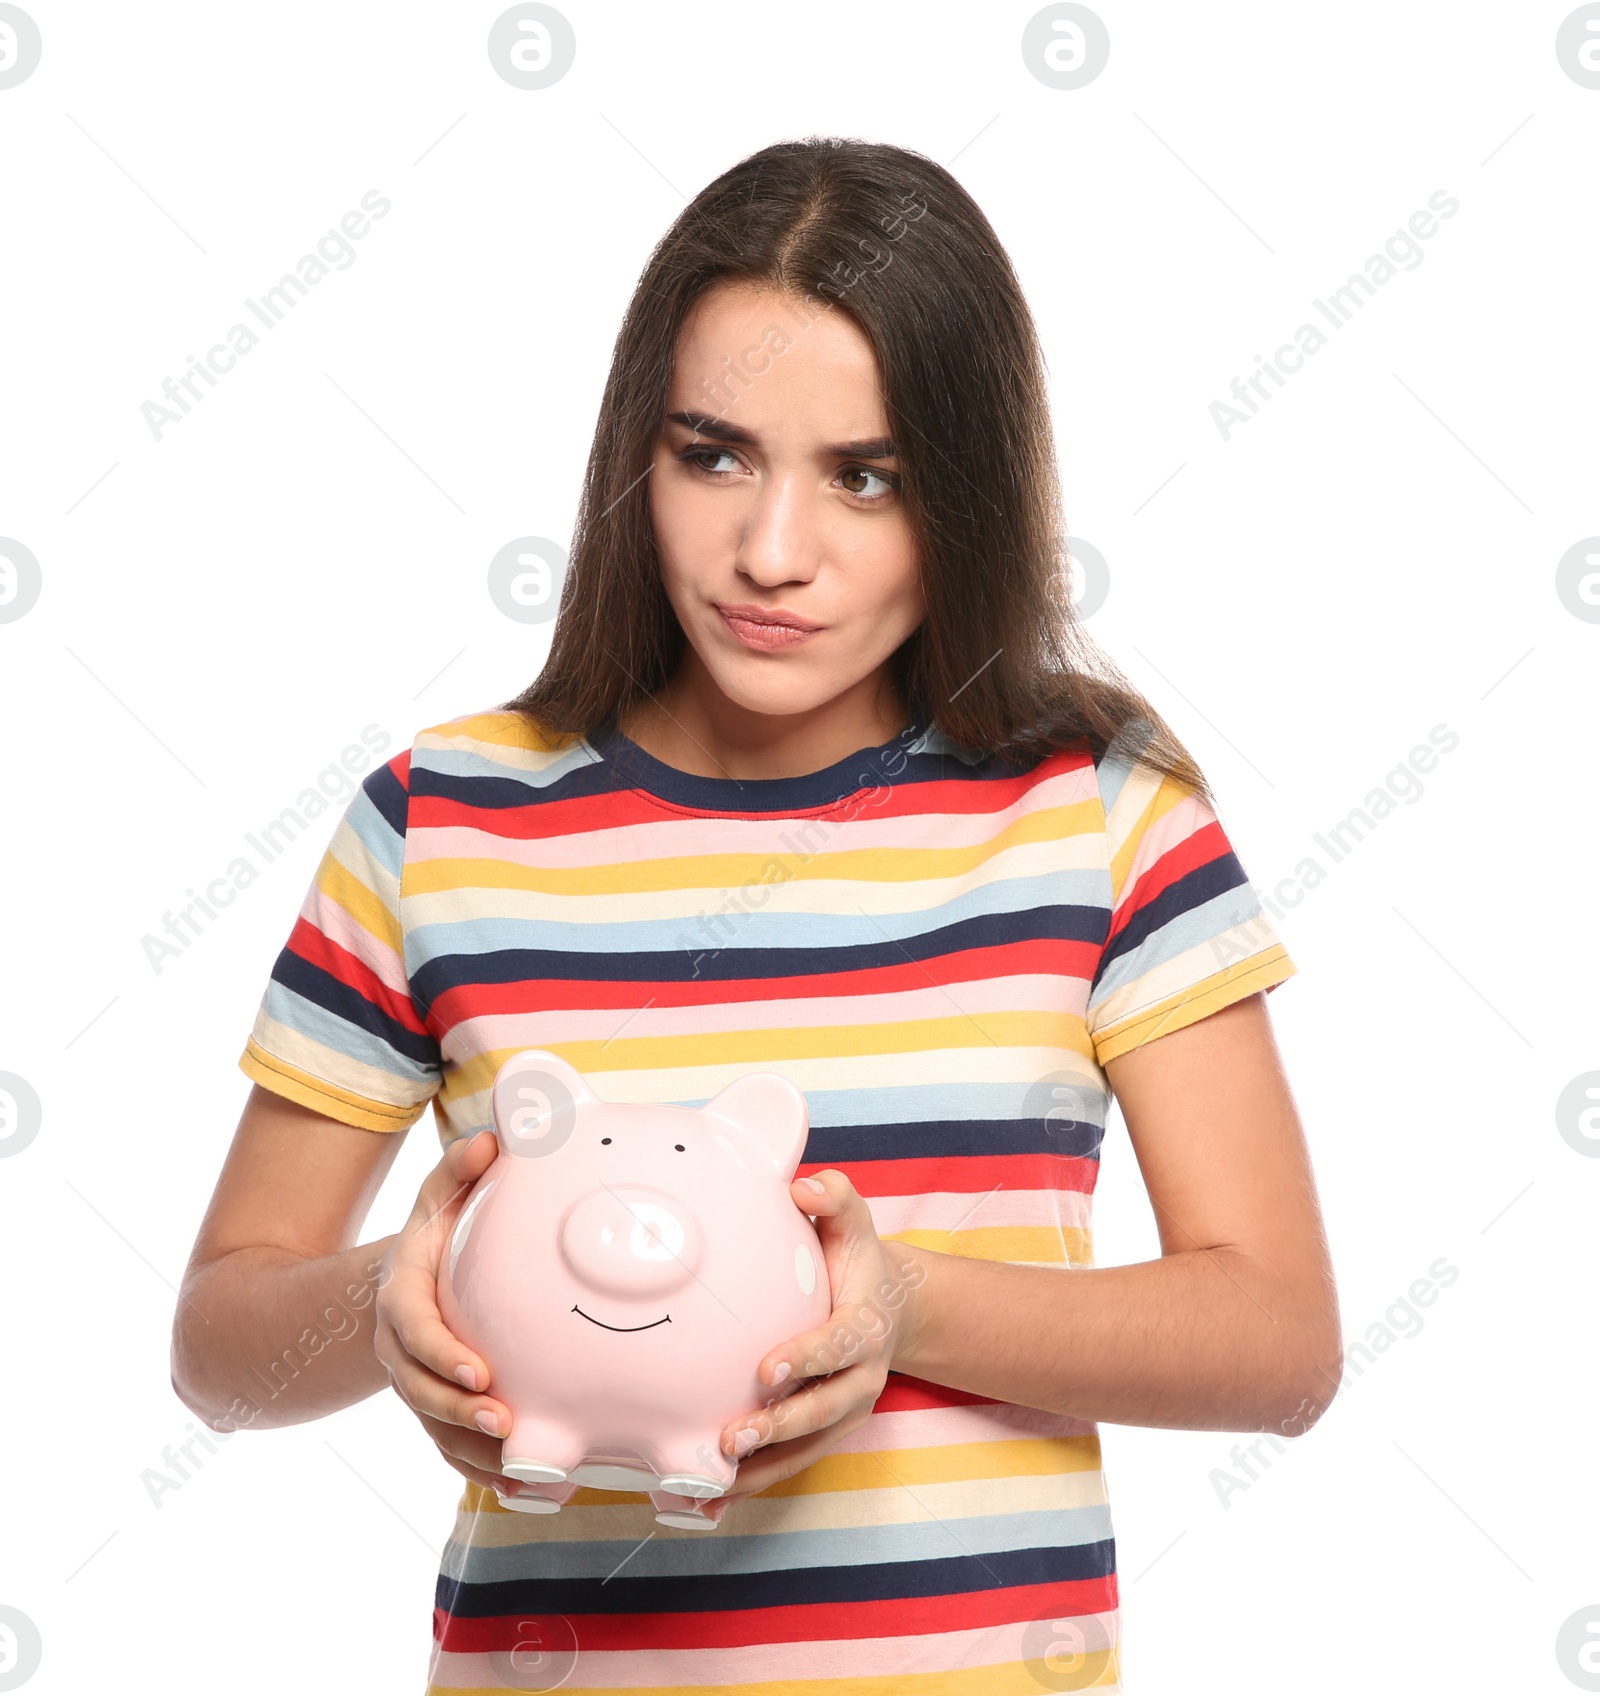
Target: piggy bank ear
(770,1110)
(537,1100)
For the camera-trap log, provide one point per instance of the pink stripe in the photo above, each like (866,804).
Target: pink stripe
(946,1427)
(1182,821)
(326,915)
(673,838)
(1031,992)
(945,1210)
(1005,1651)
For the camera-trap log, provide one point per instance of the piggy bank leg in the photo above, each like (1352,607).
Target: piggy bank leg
(687,1513)
(537,1498)
(537,1451)
(693,1469)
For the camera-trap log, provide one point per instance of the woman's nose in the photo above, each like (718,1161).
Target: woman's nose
(781,543)
(626,1240)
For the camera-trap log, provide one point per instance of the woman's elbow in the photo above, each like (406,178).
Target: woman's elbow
(192,1374)
(1312,1377)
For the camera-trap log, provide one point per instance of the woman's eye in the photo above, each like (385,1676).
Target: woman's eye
(860,481)
(699,455)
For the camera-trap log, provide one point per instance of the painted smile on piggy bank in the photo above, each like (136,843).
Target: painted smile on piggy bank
(669,1226)
(650,1327)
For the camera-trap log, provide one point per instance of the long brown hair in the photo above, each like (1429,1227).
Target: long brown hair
(1001,663)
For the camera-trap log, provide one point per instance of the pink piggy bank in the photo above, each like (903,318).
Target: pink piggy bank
(622,1270)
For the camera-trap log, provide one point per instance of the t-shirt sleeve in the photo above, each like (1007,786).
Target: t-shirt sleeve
(1188,935)
(338,1029)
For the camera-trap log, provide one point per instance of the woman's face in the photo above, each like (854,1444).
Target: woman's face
(775,498)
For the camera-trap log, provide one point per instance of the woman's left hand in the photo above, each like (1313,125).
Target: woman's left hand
(842,1366)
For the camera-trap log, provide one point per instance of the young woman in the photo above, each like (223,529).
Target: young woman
(820,776)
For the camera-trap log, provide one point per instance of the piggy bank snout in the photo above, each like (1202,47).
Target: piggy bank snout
(630,1241)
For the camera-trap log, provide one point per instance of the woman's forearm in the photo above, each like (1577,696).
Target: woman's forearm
(264,1337)
(1207,1339)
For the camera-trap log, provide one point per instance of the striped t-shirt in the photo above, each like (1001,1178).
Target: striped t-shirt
(942,952)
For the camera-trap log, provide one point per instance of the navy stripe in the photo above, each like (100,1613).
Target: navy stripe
(388,794)
(344,1002)
(482,791)
(725,1592)
(952,1139)
(886,766)
(624,770)
(708,961)
(1192,890)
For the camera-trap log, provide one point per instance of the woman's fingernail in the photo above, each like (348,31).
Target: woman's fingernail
(744,1441)
(779,1372)
(468,1376)
(489,1422)
(813,1184)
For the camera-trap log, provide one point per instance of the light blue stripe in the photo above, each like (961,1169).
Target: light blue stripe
(929,1103)
(1210,922)
(934,741)
(1116,765)
(354,1041)
(915,1104)
(925,1104)
(709,1553)
(461,762)
(376,834)
(1080,887)
(922,1103)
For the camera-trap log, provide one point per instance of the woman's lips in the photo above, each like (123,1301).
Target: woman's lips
(767,630)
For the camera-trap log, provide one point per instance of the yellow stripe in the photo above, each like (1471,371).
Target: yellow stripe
(774,1047)
(502,729)
(1096,1669)
(737,871)
(482,1523)
(1033,1244)
(1184,1008)
(337,883)
(350,1109)
(867,1469)
(1033,1457)
(1168,794)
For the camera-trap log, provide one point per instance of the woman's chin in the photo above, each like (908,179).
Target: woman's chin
(778,703)
(776,691)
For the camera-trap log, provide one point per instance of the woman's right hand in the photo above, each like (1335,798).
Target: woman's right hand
(434,1373)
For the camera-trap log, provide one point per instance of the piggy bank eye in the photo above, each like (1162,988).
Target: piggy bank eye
(605,1139)
(678,1146)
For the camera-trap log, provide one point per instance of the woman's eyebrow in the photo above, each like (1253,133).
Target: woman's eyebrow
(720,430)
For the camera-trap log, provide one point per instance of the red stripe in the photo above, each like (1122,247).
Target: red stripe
(903,1392)
(571,815)
(1072,961)
(954,1174)
(1199,848)
(349,969)
(614,809)
(813,1622)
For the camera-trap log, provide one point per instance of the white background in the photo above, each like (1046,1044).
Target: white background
(1375,554)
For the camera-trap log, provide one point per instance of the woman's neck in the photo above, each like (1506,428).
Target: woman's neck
(691,725)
